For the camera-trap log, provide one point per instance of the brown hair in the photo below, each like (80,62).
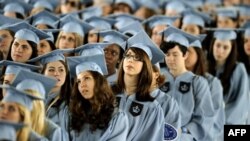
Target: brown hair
(230,65)
(161,79)
(97,113)
(145,77)
(200,67)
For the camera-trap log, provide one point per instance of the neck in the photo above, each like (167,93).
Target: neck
(178,72)
(219,64)
(111,71)
(55,90)
(130,84)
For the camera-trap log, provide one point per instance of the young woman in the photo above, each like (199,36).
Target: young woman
(26,39)
(57,101)
(46,45)
(92,107)
(16,107)
(146,118)
(197,63)
(190,91)
(39,86)
(233,76)
(226,18)
(72,33)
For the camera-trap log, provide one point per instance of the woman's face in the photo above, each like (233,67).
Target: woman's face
(191,29)
(67,40)
(191,59)
(56,70)
(43,47)
(112,54)
(21,51)
(225,22)
(132,64)
(247,45)
(221,50)
(68,6)
(5,42)
(156,37)
(86,84)
(92,36)
(10,112)
(7,80)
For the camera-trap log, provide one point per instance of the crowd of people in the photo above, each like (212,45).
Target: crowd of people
(123,70)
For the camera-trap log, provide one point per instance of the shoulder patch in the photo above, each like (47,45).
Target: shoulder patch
(184,87)
(165,87)
(135,108)
(170,133)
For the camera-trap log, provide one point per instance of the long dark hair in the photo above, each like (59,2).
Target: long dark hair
(144,81)
(243,57)
(97,113)
(200,67)
(230,65)
(64,94)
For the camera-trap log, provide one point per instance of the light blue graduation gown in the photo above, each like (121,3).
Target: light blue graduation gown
(117,130)
(237,99)
(217,131)
(146,119)
(194,98)
(60,116)
(112,78)
(33,136)
(54,132)
(170,108)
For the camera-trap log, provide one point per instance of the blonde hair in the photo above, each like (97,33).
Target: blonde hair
(38,116)
(78,39)
(23,134)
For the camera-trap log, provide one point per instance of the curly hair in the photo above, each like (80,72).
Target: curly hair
(98,112)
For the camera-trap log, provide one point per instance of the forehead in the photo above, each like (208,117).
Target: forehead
(175,49)
(84,73)
(112,47)
(21,41)
(55,64)
(67,34)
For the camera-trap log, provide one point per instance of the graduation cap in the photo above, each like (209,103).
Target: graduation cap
(101,23)
(55,55)
(193,4)
(160,20)
(42,3)
(112,36)
(20,97)
(244,10)
(247,32)
(80,64)
(90,12)
(9,129)
(141,40)
(230,12)
(25,31)
(225,34)
(213,2)
(12,67)
(4,20)
(17,6)
(43,17)
(91,49)
(130,3)
(25,80)
(176,5)
(123,19)
(51,33)
(172,34)
(196,17)
(131,29)
(70,24)
(151,4)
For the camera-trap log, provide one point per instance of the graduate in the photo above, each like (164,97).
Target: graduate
(146,117)
(26,39)
(57,100)
(226,17)
(92,107)
(73,32)
(47,45)
(38,85)
(223,64)
(16,107)
(191,91)
(197,63)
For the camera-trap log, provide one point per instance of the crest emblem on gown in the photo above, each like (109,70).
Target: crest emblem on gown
(135,108)
(184,87)
(165,87)
(170,133)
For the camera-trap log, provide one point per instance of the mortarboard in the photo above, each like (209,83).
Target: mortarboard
(80,64)
(132,28)
(91,49)
(141,40)
(17,6)
(101,23)
(159,20)
(224,34)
